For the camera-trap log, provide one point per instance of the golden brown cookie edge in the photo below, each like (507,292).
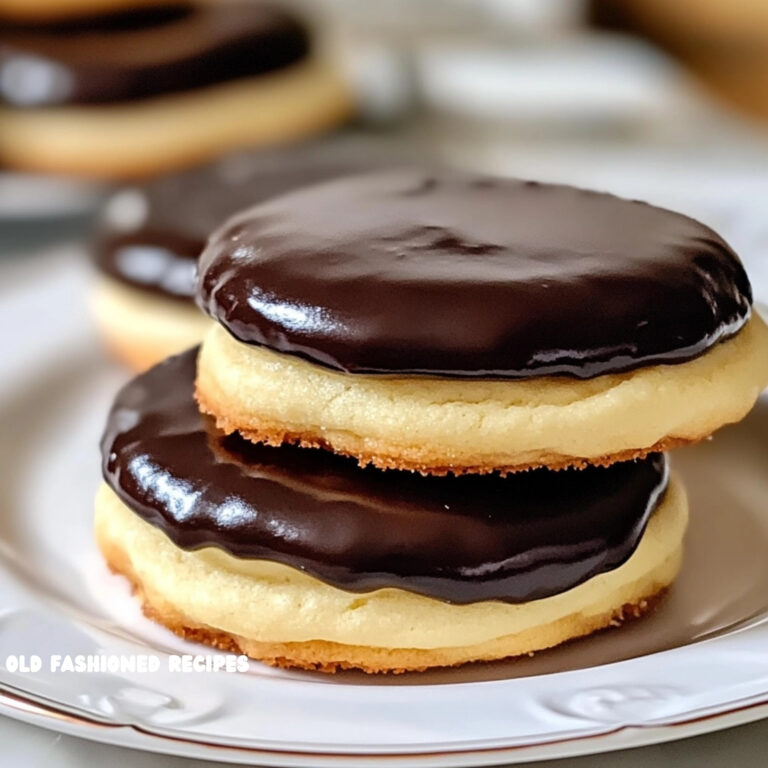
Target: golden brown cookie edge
(426,464)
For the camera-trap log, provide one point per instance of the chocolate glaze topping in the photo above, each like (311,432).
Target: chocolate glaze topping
(152,234)
(451,274)
(460,539)
(142,53)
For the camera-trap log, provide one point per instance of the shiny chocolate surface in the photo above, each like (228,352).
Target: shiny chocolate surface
(446,273)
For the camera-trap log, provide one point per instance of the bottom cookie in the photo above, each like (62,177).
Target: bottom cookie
(286,618)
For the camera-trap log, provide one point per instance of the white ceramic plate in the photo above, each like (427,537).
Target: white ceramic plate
(699,663)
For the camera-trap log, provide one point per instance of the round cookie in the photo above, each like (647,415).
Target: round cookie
(151,235)
(300,558)
(144,91)
(444,322)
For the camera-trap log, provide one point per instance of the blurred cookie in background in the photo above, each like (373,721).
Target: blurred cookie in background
(51,10)
(151,235)
(147,90)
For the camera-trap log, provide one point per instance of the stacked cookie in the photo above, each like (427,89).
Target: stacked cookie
(333,480)
(102,88)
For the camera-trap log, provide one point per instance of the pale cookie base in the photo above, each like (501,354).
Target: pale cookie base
(141,328)
(283,617)
(171,131)
(441,425)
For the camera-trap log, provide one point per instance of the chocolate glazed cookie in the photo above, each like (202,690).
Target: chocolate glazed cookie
(460,539)
(300,558)
(140,91)
(441,321)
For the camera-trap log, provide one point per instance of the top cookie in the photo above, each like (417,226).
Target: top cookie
(450,274)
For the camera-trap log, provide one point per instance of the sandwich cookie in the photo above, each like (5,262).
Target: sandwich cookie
(300,558)
(150,236)
(440,321)
(148,90)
